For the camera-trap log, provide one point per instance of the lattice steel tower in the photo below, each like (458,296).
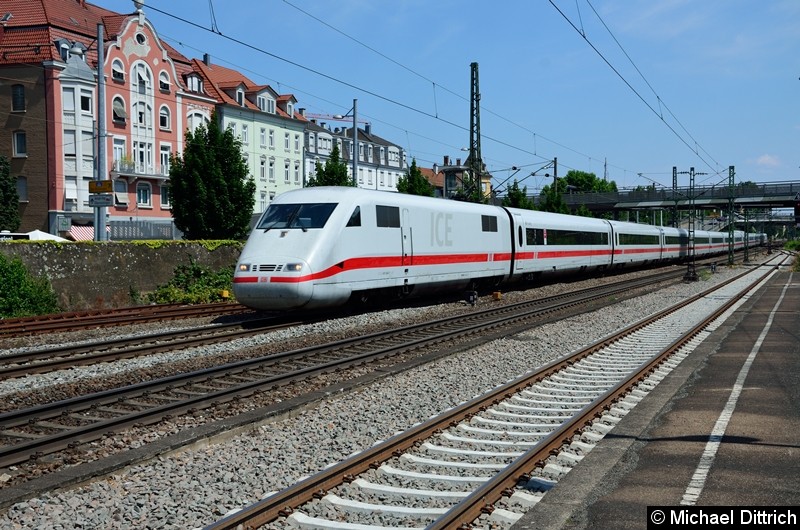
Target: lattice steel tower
(475,162)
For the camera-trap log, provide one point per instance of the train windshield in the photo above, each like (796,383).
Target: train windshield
(302,216)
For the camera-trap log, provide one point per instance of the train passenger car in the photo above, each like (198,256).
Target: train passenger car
(320,246)
(547,242)
(323,246)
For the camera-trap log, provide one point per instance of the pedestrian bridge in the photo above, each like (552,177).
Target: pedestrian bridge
(745,196)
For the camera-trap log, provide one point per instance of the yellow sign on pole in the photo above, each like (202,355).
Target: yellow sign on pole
(101,186)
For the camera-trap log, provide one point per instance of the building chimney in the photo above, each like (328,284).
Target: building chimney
(458,161)
(435,169)
(302,112)
(368,128)
(446,160)
(206,59)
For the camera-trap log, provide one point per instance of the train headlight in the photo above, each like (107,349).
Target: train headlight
(293,267)
(244,267)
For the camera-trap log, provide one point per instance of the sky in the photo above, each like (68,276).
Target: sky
(624,89)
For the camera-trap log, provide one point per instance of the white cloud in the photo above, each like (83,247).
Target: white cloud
(769,161)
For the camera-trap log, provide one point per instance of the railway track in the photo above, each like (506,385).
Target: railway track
(484,462)
(37,431)
(82,320)
(49,359)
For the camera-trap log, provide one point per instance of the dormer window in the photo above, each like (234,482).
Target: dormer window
(240,97)
(163,81)
(266,104)
(117,71)
(290,110)
(194,83)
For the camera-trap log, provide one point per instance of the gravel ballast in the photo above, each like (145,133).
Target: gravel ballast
(195,487)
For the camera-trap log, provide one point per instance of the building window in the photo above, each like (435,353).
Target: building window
(117,71)
(17,98)
(286,172)
(271,139)
(20,143)
(68,100)
(195,119)
(163,81)
(144,194)
(163,118)
(272,170)
(194,83)
(165,196)
(297,173)
(245,134)
(22,189)
(263,169)
(120,192)
(142,78)
(86,102)
(297,143)
(290,110)
(118,113)
(240,97)
(263,137)
(233,129)
(166,154)
(69,143)
(286,141)
(261,101)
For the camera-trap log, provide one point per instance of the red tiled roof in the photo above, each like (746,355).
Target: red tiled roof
(437,179)
(41,22)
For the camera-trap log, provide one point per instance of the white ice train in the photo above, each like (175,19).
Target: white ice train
(320,247)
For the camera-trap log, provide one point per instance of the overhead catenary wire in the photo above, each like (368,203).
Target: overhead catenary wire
(392,101)
(628,84)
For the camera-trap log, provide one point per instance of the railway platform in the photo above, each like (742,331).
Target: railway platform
(723,429)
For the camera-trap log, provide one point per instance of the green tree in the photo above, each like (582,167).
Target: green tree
(518,198)
(582,211)
(334,173)
(583,181)
(24,295)
(414,182)
(9,199)
(211,194)
(551,200)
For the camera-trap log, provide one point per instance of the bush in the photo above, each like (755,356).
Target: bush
(23,295)
(193,284)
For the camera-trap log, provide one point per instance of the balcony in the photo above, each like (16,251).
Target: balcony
(133,170)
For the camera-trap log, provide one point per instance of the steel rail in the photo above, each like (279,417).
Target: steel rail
(81,320)
(284,502)
(368,348)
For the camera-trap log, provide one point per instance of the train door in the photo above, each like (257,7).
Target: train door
(519,234)
(406,239)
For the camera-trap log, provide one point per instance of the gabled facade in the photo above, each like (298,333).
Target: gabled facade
(380,162)
(268,125)
(54,130)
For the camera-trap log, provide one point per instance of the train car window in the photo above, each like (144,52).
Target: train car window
(676,240)
(530,236)
(489,223)
(388,216)
(355,218)
(574,237)
(638,239)
(301,216)
(519,235)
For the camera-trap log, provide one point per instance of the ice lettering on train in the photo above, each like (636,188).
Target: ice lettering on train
(441,229)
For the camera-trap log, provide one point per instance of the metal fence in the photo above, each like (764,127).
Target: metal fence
(134,230)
